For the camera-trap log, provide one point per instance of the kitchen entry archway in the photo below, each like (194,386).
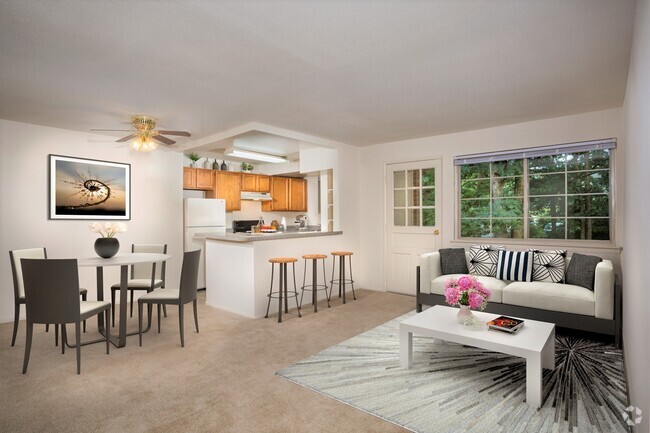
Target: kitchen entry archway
(412,220)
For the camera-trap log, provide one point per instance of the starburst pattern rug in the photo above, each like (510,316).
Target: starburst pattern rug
(455,388)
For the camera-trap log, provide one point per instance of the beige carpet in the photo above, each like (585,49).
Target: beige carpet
(222,381)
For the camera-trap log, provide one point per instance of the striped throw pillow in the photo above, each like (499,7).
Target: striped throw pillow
(515,266)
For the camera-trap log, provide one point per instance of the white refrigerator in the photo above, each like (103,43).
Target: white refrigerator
(202,216)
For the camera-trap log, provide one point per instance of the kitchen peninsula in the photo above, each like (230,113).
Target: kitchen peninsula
(238,272)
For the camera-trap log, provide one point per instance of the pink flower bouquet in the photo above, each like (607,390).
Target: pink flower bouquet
(467,290)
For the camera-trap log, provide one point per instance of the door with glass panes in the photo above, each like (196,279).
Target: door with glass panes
(412,220)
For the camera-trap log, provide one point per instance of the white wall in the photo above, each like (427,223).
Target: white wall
(637,233)
(601,124)
(156,201)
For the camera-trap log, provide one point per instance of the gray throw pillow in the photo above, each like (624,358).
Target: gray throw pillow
(452,261)
(582,270)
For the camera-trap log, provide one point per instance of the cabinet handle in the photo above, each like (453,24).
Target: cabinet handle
(436,232)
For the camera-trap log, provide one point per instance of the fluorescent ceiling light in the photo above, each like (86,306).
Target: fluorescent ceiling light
(248,154)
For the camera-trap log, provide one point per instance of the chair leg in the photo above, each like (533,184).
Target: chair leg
(108,330)
(196,316)
(28,346)
(140,321)
(113,304)
(64,338)
(131,307)
(16,313)
(84,297)
(180,323)
(77,331)
(158,309)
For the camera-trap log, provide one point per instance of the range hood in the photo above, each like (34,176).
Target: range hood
(259,196)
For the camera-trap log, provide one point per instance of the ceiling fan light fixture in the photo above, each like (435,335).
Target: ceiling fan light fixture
(256,156)
(145,144)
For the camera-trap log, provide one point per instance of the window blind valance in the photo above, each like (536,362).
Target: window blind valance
(532,152)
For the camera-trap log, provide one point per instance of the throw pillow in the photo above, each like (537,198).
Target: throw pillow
(483,259)
(515,266)
(453,261)
(582,270)
(549,265)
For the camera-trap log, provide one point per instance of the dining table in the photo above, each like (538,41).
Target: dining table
(123,261)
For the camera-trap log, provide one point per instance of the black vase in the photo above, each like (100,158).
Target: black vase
(107,247)
(224,167)
(215,165)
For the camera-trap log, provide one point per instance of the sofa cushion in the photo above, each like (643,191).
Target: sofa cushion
(566,298)
(515,266)
(492,284)
(453,261)
(582,270)
(483,259)
(549,265)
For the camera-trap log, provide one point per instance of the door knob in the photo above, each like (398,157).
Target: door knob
(436,232)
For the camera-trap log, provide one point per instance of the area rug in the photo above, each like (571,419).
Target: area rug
(455,388)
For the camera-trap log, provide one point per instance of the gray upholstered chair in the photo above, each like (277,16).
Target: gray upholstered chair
(144,276)
(19,288)
(185,294)
(52,296)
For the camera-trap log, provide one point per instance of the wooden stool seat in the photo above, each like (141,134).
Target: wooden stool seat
(283,260)
(342,253)
(314,256)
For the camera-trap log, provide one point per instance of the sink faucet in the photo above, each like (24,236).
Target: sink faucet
(302,220)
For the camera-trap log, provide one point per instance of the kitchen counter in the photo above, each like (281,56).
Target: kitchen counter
(238,272)
(254,237)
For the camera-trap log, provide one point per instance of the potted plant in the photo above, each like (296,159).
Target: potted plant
(468,293)
(246,168)
(192,156)
(108,245)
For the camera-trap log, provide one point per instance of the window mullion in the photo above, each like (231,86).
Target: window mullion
(526,198)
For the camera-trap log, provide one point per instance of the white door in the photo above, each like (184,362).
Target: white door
(412,220)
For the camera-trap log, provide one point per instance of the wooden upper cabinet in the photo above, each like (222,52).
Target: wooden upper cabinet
(297,195)
(263,183)
(255,182)
(204,179)
(279,194)
(228,186)
(189,178)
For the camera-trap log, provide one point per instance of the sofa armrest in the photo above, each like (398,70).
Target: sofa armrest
(429,269)
(604,290)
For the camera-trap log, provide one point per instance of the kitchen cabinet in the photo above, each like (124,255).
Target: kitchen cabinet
(198,178)
(297,195)
(280,195)
(228,187)
(255,182)
(289,194)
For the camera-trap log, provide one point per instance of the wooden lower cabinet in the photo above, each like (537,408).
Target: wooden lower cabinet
(228,186)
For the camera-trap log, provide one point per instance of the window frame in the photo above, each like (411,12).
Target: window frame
(528,241)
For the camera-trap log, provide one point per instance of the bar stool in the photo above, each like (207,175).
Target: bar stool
(314,280)
(342,280)
(282,261)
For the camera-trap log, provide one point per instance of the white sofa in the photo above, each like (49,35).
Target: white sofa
(564,304)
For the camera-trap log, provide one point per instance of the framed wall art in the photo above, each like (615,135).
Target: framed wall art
(89,189)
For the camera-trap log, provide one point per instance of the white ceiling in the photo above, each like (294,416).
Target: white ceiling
(358,72)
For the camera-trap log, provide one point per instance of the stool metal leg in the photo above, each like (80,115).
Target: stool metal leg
(270,292)
(286,292)
(295,290)
(280,293)
(342,276)
(325,282)
(304,276)
(314,281)
(352,279)
(332,280)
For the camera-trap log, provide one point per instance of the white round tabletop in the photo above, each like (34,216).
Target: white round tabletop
(123,259)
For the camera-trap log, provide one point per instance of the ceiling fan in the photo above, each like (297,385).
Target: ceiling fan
(145,134)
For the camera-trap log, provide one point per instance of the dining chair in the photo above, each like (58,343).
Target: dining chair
(52,296)
(19,288)
(144,276)
(185,294)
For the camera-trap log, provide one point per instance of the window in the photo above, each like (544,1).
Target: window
(553,196)
(414,197)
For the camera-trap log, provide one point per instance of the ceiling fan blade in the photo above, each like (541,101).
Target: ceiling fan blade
(127,138)
(181,133)
(163,140)
(118,130)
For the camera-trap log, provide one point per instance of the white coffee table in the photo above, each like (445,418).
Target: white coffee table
(535,342)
